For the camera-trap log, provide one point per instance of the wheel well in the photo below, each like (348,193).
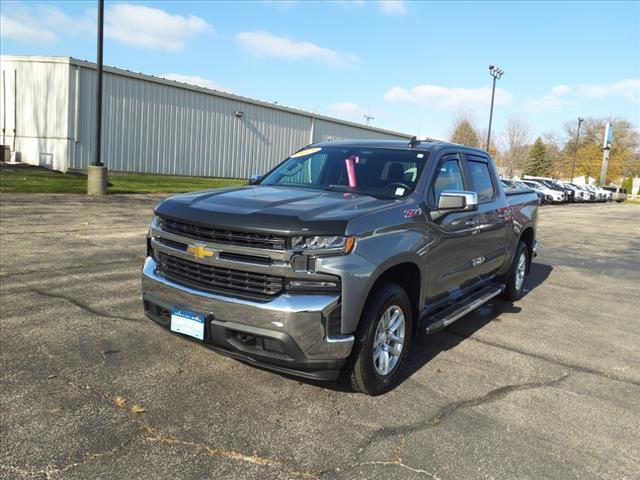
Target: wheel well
(407,276)
(527,238)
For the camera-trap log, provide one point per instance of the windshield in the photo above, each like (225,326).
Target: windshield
(383,173)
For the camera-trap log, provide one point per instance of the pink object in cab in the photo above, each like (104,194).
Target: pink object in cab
(350,163)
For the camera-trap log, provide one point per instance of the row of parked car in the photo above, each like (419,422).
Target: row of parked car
(555,191)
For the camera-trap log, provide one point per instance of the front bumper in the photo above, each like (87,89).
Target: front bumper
(287,333)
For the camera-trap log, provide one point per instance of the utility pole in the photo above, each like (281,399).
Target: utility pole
(496,73)
(606,147)
(97,172)
(575,153)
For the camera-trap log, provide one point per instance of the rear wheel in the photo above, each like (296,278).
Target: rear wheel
(382,341)
(516,277)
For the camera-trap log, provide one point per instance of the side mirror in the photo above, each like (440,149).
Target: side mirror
(458,201)
(255,179)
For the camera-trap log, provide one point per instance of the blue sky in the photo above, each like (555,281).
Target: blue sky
(414,66)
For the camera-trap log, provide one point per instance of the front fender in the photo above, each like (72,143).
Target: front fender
(374,254)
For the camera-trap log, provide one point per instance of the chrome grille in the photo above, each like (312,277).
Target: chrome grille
(226,237)
(217,279)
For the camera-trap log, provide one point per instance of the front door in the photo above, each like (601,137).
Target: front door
(450,255)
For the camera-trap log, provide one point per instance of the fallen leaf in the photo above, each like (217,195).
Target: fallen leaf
(137,409)
(120,402)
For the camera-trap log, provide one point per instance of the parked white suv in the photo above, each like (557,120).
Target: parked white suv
(554,196)
(581,195)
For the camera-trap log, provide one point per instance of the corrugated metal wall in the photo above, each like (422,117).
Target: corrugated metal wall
(152,125)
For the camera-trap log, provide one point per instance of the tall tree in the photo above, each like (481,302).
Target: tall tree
(464,133)
(516,137)
(538,163)
(623,156)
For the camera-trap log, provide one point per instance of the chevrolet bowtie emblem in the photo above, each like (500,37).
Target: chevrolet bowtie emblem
(200,251)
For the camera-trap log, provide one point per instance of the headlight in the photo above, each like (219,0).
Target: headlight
(338,243)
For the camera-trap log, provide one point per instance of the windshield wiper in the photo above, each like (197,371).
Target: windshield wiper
(347,189)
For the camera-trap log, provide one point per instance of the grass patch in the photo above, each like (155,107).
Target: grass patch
(24,179)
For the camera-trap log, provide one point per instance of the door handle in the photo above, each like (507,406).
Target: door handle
(471,223)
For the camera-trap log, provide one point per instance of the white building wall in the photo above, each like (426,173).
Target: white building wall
(34,105)
(153,125)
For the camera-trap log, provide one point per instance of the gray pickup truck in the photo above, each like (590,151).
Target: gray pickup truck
(331,263)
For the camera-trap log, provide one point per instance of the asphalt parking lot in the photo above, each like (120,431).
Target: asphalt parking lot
(545,388)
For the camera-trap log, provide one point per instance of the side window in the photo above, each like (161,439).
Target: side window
(481,177)
(449,177)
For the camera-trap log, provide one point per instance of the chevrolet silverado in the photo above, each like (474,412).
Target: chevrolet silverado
(331,263)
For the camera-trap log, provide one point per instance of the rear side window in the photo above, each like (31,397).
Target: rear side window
(481,180)
(449,177)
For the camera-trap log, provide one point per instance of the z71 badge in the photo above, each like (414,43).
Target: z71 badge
(412,212)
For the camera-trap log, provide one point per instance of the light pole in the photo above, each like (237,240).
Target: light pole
(97,172)
(575,153)
(496,73)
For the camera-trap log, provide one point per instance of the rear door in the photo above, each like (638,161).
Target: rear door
(491,238)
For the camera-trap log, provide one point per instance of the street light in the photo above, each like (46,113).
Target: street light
(97,172)
(575,153)
(496,73)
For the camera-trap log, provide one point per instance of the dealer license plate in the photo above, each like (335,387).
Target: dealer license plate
(187,323)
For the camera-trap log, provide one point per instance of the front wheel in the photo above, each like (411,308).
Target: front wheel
(382,341)
(517,275)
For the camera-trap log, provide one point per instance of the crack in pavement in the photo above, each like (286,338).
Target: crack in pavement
(156,436)
(83,306)
(398,464)
(450,408)
(74,267)
(88,228)
(151,434)
(555,361)
(49,471)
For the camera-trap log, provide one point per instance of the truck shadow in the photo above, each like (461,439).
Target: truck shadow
(427,347)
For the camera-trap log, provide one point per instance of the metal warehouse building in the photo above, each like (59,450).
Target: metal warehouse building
(151,124)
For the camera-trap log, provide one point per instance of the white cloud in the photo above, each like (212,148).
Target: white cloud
(545,103)
(40,24)
(562,95)
(23,32)
(195,80)
(447,98)
(152,28)
(265,44)
(624,88)
(393,7)
(560,90)
(347,109)
(136,25)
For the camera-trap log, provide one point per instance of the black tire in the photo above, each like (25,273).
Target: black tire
(512,292)
(360,373)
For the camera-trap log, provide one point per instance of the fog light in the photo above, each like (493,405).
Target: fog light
(312,285)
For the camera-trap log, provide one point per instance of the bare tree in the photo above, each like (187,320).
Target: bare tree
(516,138)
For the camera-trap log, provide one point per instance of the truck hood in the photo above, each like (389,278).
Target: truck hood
(282,210)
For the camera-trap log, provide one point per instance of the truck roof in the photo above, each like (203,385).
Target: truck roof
(426,145)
